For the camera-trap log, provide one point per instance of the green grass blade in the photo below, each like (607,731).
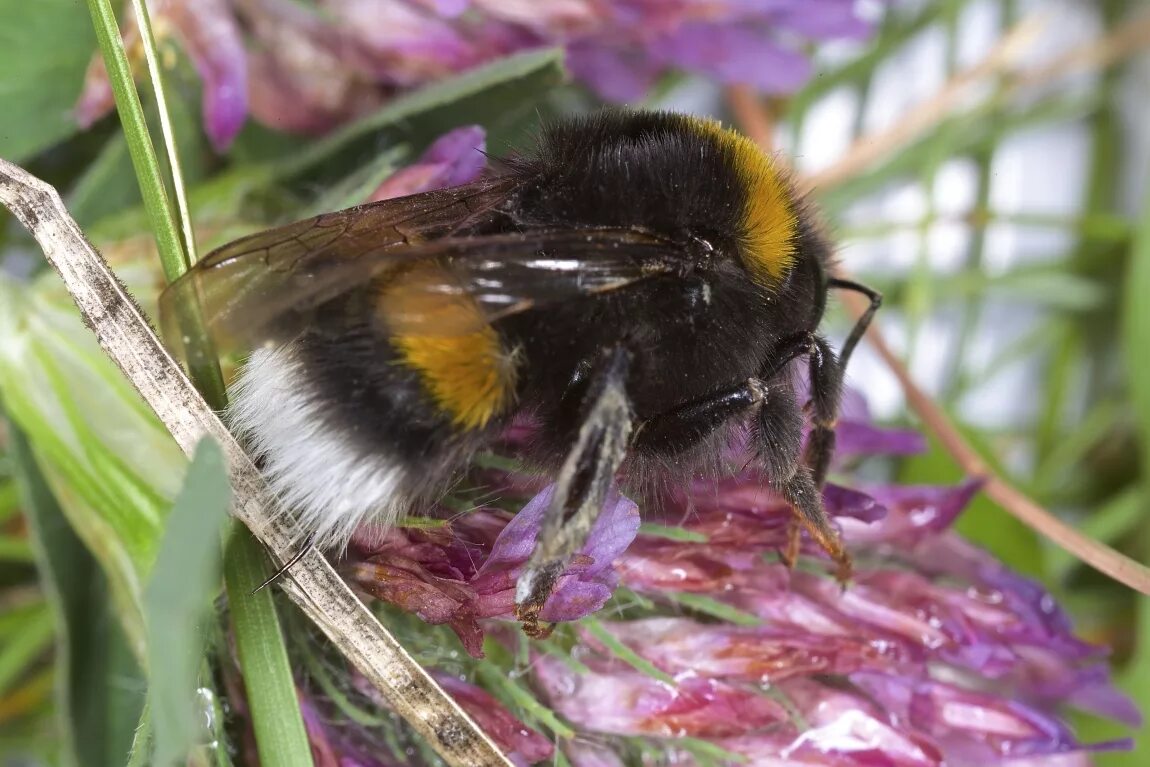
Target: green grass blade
(181,588)
(185,217)
(278,723)
(97,695)
(141,753)
(161,215)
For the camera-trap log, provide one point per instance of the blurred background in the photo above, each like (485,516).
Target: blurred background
(984,163)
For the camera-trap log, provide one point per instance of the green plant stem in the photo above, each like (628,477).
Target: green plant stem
(161,216)
(276,717)
(162,219)
(185,215)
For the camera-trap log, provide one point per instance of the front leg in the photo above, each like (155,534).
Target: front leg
(581,487)
(676,430)
(780,435)
(684,426)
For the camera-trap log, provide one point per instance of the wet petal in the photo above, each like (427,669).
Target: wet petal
(973,727)
(914,513)
(684,647)
(615,699)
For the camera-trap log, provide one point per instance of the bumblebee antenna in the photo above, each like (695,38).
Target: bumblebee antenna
(863,321)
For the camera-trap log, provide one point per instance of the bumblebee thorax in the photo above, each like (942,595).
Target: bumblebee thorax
(682,177)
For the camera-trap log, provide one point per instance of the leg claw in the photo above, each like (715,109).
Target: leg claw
(828,540)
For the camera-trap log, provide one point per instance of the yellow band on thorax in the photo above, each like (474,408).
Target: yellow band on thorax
(769,218)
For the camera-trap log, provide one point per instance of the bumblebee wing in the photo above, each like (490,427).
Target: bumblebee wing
(461,284)
(268,286)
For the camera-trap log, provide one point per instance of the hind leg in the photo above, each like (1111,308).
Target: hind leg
(584,478)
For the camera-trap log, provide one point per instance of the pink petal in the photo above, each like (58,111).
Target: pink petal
(210,33)
(520,743)
(615,699)
(455,158)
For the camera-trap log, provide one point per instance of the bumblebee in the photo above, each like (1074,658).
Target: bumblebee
(637,285)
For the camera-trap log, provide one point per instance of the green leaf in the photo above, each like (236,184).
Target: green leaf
(44,50)
(183,582)
(112,466)
(501,96)
(98,686)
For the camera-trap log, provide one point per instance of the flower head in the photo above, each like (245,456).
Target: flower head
(935,654)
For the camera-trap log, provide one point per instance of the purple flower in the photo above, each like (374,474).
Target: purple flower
(935,655)
(306,70)
(210,35)
(455,158)
(466,572)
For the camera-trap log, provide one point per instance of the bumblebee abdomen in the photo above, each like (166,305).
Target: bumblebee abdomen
(463,364)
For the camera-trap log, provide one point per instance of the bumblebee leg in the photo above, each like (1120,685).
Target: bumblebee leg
(581,487)
(684,426)
(678,429)
(780,427)
(826,395)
